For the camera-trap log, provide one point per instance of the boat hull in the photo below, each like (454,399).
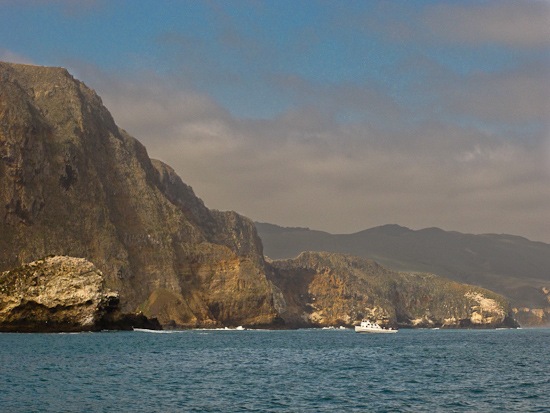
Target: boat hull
(359,329)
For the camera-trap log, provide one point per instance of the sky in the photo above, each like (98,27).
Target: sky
(333,115)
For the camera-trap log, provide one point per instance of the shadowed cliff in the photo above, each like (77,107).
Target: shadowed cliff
(74,184)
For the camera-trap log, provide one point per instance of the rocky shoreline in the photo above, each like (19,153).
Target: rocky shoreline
(316,290)
(74,184)
(62,294)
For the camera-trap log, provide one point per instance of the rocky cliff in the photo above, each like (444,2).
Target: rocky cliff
(61,294)
(513,266)
(72,183)
(336,289)
(75,184)
(535,316)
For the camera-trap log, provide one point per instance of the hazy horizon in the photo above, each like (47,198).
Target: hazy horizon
(337,117)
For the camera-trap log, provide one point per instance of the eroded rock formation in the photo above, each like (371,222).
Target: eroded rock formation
(337,289)
(73,183)
(512,266)
(61,294)
(536,316)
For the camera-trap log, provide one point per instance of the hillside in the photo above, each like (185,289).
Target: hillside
(336,289)
(510,265)
(74,184)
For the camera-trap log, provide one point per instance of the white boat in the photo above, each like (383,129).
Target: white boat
(367,326)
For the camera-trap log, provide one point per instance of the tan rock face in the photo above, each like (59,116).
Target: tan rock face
(72,183)
(533,316)
(54,294)
(337,289)
(75,184)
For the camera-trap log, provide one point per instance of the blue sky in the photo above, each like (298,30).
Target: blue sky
(334,115)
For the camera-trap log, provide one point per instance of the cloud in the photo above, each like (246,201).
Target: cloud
(513,23)
(520,95)
(305,168)
(439,134)
(513,101)
(349,99)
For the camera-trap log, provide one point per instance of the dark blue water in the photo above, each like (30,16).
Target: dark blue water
(276,371)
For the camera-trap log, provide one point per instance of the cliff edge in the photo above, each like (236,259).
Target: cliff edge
(74,184)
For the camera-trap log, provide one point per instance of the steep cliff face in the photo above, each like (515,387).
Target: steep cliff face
(73,183)
(338,289)
(61,294)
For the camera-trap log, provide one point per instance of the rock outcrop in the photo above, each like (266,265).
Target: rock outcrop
(72,183)
(75,184)
(538,317)
(61,294)
(337,289)
(513,266)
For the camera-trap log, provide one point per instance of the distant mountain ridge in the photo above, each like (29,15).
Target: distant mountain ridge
(510,265)
(75,185)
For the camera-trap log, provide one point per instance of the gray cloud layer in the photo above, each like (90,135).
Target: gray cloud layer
(515,23)
(466,151)
(305,168)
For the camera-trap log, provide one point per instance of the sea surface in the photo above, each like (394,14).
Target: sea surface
(277,371)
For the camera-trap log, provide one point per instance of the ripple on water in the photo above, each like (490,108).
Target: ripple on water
(276,371)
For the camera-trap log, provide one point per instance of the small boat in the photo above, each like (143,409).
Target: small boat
(367,326)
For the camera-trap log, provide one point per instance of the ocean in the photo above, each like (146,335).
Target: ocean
(277,371)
